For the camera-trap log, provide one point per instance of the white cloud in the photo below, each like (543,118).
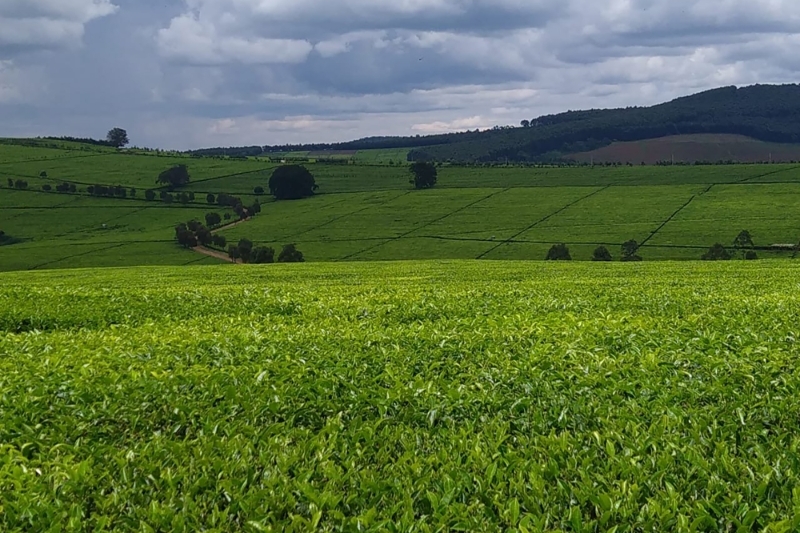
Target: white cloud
(48,23)
(196,41)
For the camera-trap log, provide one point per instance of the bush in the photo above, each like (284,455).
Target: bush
(290,254)
(211,199)
(233,252)
(423,175)
(47,188)
(149,195)
(716,253)
(559,252)
(751,255)
(259,191)
(601,253)
(292,182)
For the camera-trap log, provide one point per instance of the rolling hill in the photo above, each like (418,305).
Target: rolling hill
(705,147)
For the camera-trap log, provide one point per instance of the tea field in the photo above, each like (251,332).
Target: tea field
(406,396)
(369,212)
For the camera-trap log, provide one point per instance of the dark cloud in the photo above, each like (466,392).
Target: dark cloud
(183,73)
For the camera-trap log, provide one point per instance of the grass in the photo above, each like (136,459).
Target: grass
(427,396)
(369,212)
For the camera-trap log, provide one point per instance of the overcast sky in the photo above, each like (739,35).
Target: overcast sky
(193,73)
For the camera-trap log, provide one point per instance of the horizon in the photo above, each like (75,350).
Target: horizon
(184,74)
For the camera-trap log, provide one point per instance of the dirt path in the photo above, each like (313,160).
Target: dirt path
(213,253)
(216,253)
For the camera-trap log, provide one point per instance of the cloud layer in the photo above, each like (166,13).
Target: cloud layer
(186,73)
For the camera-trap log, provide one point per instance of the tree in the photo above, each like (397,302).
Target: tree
(46,187)
(751,255)
(204,235)
(254,209)
(263,254)
(601,253)
(245,247)
(559,252)
(290,254)
(176,176)
(185,237)
(213,219)
(233,252)
(43,174)
(259,190)
(227,216)
(423,175)
(292,182)
(742,241)
(117,138)
(716,253)
(21,184)
(219,241)
(210,199)
(10,183)
(149,195)
(629,250)
(132,192)
(525,123)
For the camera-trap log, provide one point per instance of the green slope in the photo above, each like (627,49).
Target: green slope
(369,212)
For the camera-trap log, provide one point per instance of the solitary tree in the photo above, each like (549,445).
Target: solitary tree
(743,241)
(176,176)
(43,174)
(210,199)
(716,253)
(259,190)
(423,175)
(290,254)
(559,252)
(117,138)
(601,253)
(292,182)
(629,250)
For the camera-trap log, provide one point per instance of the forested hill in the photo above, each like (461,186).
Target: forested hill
(764,112)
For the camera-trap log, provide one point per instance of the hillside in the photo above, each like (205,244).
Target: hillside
(711,148)
(424,396)
(768,113)
(52,217)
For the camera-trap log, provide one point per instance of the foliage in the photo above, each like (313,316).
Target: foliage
(117,138)
(259,190)
(262,255)
(149,195)
(292,182)
(629,251)
(219,241)
(559,252)
(210,199)
(601,253)
(213,219)
(353,397)
(290,254)
(423,175)
(174,177)
(751,255)
(716,253)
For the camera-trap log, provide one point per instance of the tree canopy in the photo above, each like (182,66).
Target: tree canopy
(117,138)
(423,174)
(292,182)
(176,176)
